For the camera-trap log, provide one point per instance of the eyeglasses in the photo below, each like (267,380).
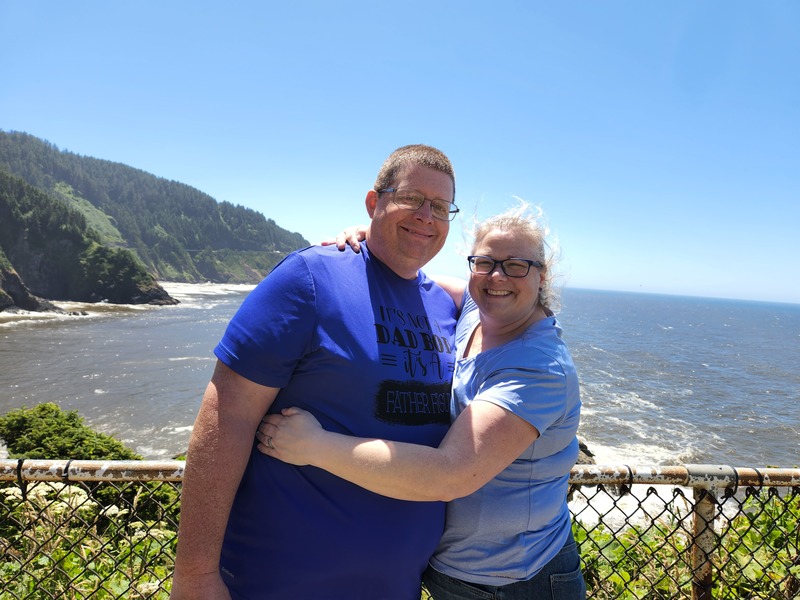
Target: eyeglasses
(412,200)
(513,267)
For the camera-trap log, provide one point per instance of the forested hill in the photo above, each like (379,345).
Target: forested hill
(47,251)
(177,232)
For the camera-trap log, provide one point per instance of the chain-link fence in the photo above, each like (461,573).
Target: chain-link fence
(107,529)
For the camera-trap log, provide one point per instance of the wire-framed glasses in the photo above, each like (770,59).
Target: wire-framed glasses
(513,267)
(412,200)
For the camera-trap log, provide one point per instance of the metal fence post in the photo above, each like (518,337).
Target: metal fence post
(705,480)
(702,544)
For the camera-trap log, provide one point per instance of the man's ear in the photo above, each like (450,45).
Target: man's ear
(371,202)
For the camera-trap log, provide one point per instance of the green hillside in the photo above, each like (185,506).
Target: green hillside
(177,232)
(47,250)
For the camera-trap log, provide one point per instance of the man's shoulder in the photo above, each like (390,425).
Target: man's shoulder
(325,253)
(330,257)
(324,265)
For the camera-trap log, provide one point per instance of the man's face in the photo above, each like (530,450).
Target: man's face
(406,239)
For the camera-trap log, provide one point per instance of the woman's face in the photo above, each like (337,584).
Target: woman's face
(506,301)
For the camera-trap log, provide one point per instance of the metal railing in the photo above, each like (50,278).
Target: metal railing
(107,529)
(723,533)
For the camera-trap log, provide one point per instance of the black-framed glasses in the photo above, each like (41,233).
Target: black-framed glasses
(513,267)
(412,200)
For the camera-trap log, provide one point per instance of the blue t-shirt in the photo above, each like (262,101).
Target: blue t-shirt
(515,524)
(370,354)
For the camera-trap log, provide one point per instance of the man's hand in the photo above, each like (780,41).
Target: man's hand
(199,587)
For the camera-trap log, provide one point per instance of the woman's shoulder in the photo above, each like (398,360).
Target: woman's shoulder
(539,346)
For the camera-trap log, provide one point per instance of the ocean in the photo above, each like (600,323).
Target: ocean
(665,380)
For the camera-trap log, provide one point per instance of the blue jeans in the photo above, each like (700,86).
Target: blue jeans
(560,579)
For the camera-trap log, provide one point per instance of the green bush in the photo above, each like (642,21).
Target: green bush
(76,540)
(47,432)
(761,547)
(67,545)
(756,554)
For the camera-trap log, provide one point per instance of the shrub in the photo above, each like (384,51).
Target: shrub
(47,432)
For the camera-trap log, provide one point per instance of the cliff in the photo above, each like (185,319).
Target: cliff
(47,251)
(85,229)
(176,232)
(15,294)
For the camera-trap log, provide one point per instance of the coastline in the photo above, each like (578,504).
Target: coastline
(70,311)
(664,380)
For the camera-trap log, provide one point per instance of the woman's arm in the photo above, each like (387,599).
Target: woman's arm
(351,236)
(454,286)
(483,441)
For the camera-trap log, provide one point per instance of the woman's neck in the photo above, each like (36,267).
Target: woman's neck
(490,334)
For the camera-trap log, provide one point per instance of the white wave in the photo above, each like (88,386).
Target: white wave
(640,452)
(623,427)
(72,311)
(9,319)
(637,507)
(190,295)
(630,401)
(92,308)
(16,317)
(184,429)
(609,376)
(19,318)
(201,296)
(151,453)
(188,290)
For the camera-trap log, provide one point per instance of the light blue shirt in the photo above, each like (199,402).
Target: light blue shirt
(514,525)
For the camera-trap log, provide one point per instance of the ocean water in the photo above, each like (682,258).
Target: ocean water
(664,379)
(135,372)
(676,380)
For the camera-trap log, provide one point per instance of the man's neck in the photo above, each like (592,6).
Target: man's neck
(406,272)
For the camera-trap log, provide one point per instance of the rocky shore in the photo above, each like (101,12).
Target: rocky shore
(15,295)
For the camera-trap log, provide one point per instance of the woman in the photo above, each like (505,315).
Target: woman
(504,465)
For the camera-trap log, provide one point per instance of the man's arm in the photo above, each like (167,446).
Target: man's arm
(219,449)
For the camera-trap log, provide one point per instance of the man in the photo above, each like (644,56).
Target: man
(364,342)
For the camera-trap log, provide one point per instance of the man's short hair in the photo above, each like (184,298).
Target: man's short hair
(414,154)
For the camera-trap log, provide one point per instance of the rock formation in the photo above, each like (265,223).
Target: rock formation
(15,294)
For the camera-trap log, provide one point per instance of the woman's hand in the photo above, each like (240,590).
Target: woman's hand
(292,436)
(349,237)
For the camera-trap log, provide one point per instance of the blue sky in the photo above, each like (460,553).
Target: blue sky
(662,139)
